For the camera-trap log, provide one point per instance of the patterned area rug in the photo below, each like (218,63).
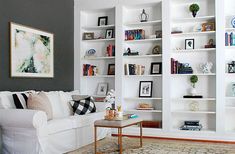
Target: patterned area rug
(155,146)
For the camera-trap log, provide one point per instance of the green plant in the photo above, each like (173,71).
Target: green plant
(193,80)
(194,8)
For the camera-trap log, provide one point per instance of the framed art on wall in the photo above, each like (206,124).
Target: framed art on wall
(145,88)
(189,44)
(111,69)
(156,68)
(102,21)
(32,52)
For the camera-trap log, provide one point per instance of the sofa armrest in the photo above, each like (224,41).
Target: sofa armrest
(22,118)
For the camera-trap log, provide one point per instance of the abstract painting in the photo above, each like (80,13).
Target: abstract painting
(32,52)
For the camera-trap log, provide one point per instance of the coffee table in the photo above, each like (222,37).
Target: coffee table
(119,125)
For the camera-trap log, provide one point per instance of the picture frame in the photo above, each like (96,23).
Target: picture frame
(31,52)
(102,89)
(158,34)
(88,36)
(156,68)
(111,69)
(189,44)
(145,88)
(102,21)
(231,67)
(109,33)
(208,26)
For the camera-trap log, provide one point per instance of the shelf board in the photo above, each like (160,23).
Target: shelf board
(229,29)
(198,74)
(143,56)
(194,112)
(98,58)
(148,23)
(230,107)
(197,19)
(193,33)
(206,131)
(193,99)
(148,111)
(157,75)
(230,98)
(98,27)
(143,40)
(230,47)
(194,50)
(99,40)
(100,76)
(143,98)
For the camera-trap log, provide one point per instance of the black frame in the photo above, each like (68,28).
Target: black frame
(109,67)
(233,68)
(160,68)
(107,33)
(106,20)
(151,85)
(189,40)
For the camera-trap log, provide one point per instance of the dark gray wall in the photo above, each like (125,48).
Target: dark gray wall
(55,16)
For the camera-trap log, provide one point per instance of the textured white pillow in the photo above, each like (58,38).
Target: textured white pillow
(65,99)
(56,104)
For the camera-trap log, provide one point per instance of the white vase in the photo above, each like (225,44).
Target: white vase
(193,91)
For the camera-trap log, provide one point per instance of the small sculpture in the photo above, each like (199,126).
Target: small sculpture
(157,50)
(210,44)
(144,16)
(206,67)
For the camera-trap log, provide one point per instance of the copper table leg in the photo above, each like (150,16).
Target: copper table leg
(95,133)
(141,135)
(120,140)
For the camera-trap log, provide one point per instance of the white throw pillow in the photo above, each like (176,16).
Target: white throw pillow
(65,99)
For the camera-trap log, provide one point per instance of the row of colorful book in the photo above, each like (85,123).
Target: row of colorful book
(136,34)
(110,50)
(89,70)
(180,68)
(229,39)
(134,69)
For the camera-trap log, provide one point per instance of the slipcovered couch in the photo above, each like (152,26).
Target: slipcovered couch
(27,131)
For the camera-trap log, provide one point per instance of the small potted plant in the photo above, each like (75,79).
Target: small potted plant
(193,80)
(194,8)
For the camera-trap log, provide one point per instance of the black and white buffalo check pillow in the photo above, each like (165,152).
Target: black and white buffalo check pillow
(83,106)
(20,100)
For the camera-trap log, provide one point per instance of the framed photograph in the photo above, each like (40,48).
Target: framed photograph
(111,69)
(145,88)
(88,36)
(109,34)
(102,21)
(208,27)
(32,52)
(189,44)
(158,34)
(231,67)
(102,89)
(156,68)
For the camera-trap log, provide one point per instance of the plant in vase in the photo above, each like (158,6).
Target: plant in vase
(194,8)
(193,80)
(110,98)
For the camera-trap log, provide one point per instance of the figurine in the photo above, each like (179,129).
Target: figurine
(206,67)
(144,16)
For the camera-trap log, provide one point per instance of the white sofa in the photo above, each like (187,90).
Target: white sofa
(28,131)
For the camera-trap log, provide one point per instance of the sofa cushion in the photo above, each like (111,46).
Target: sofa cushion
(59,125)
(83,106)
(40,102)
(20,100)
(87,119)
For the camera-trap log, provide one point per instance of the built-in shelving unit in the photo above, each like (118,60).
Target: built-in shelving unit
(215,111)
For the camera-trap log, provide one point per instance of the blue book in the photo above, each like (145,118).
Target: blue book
(226,39)
(231,39)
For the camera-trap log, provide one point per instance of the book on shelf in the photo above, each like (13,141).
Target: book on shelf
(180,68)
(229,39)
(135,34)
(134,69)
(89,70)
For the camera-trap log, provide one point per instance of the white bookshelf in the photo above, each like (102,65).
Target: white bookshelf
(216,108)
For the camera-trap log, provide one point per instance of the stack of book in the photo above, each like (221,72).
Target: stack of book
(89,70)
(110,50)
(180,68)
(134,69)
(191,125)
(229,39)
(136,34)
